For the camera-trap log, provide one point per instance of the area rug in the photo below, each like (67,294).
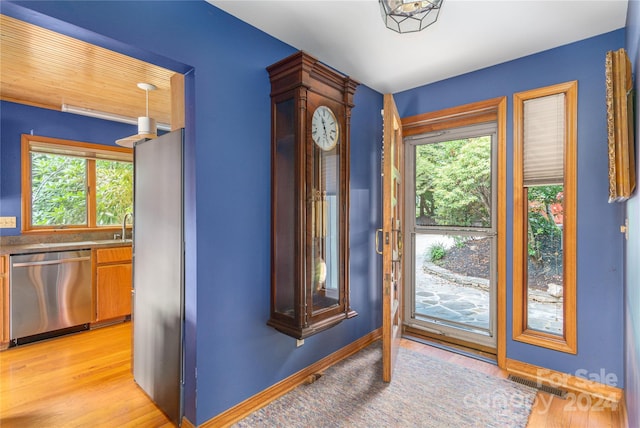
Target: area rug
(425,392)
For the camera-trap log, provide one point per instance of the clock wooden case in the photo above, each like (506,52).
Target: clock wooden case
(310,114)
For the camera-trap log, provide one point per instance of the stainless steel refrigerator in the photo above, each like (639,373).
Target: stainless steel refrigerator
(158,271)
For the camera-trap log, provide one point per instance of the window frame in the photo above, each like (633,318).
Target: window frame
(567,342)
(56,146)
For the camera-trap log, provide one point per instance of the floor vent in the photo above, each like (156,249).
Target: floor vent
(544,388)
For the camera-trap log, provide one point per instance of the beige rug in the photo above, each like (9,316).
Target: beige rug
(425,392)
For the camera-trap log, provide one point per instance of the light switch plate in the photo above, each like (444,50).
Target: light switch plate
(7,222)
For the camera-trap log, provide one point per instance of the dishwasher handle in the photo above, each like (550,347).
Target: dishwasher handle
(52,262)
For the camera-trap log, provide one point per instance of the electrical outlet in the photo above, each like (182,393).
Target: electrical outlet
(625,229)
(8,222)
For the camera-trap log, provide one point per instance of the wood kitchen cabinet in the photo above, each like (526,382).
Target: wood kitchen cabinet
(4,302)
(112,283)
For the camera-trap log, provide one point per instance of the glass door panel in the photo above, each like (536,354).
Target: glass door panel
(453,280)
(545,310)
(451,217)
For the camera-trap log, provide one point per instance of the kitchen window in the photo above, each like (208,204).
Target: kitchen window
(544,175)
(71,185)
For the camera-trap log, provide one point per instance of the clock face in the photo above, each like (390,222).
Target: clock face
(324,128)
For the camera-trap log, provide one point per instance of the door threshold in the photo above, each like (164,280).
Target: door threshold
(466,351)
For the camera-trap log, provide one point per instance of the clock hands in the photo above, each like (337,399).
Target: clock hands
(326,137)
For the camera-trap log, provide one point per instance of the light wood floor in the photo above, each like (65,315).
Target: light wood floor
(79,380)
(85,380)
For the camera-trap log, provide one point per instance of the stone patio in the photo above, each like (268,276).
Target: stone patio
(444,294)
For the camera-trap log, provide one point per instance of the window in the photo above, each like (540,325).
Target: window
(71,185)
(544,175)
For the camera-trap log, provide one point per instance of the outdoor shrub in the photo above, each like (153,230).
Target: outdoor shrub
(459,241)
(436,251)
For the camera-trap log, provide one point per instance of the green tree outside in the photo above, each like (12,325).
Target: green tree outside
(114,191)
(59,190)
(545,211)
(453,183)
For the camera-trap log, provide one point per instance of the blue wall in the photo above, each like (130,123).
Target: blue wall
(599,276)
(228,190)
(632,267)
(228,195)
(17,119)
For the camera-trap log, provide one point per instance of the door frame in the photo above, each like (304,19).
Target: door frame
(492,110)
(183,108)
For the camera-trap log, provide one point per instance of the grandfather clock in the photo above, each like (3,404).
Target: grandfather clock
(310,114)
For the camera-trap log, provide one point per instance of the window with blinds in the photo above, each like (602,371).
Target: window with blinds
(545,123)
(544,132)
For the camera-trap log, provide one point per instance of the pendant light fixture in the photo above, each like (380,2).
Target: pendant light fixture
(146,125)
(408,16)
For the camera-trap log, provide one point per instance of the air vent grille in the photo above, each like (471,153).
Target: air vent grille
(544,388)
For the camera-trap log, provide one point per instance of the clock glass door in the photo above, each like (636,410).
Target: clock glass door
(284,209)
(325,227)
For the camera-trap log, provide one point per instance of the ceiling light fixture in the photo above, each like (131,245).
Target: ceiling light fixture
(408,16)
(146,125)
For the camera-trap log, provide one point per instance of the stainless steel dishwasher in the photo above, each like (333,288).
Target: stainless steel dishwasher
(49,291)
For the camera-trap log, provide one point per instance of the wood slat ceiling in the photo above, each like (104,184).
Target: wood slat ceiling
(46,69)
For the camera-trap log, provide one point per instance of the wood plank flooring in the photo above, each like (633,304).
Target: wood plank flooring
(80,380)
(85,380)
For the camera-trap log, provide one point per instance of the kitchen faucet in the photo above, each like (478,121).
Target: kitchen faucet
(124,224)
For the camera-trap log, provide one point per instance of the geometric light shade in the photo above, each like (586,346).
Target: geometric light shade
(408,16)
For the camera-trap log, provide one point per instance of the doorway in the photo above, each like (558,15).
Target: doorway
(171,81)
(451,219)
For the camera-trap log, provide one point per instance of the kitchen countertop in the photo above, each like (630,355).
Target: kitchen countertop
(62,246)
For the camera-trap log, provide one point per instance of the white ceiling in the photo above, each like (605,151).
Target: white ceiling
(350,36)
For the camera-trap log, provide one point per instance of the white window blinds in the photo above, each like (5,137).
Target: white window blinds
(544,133)
(83,150)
